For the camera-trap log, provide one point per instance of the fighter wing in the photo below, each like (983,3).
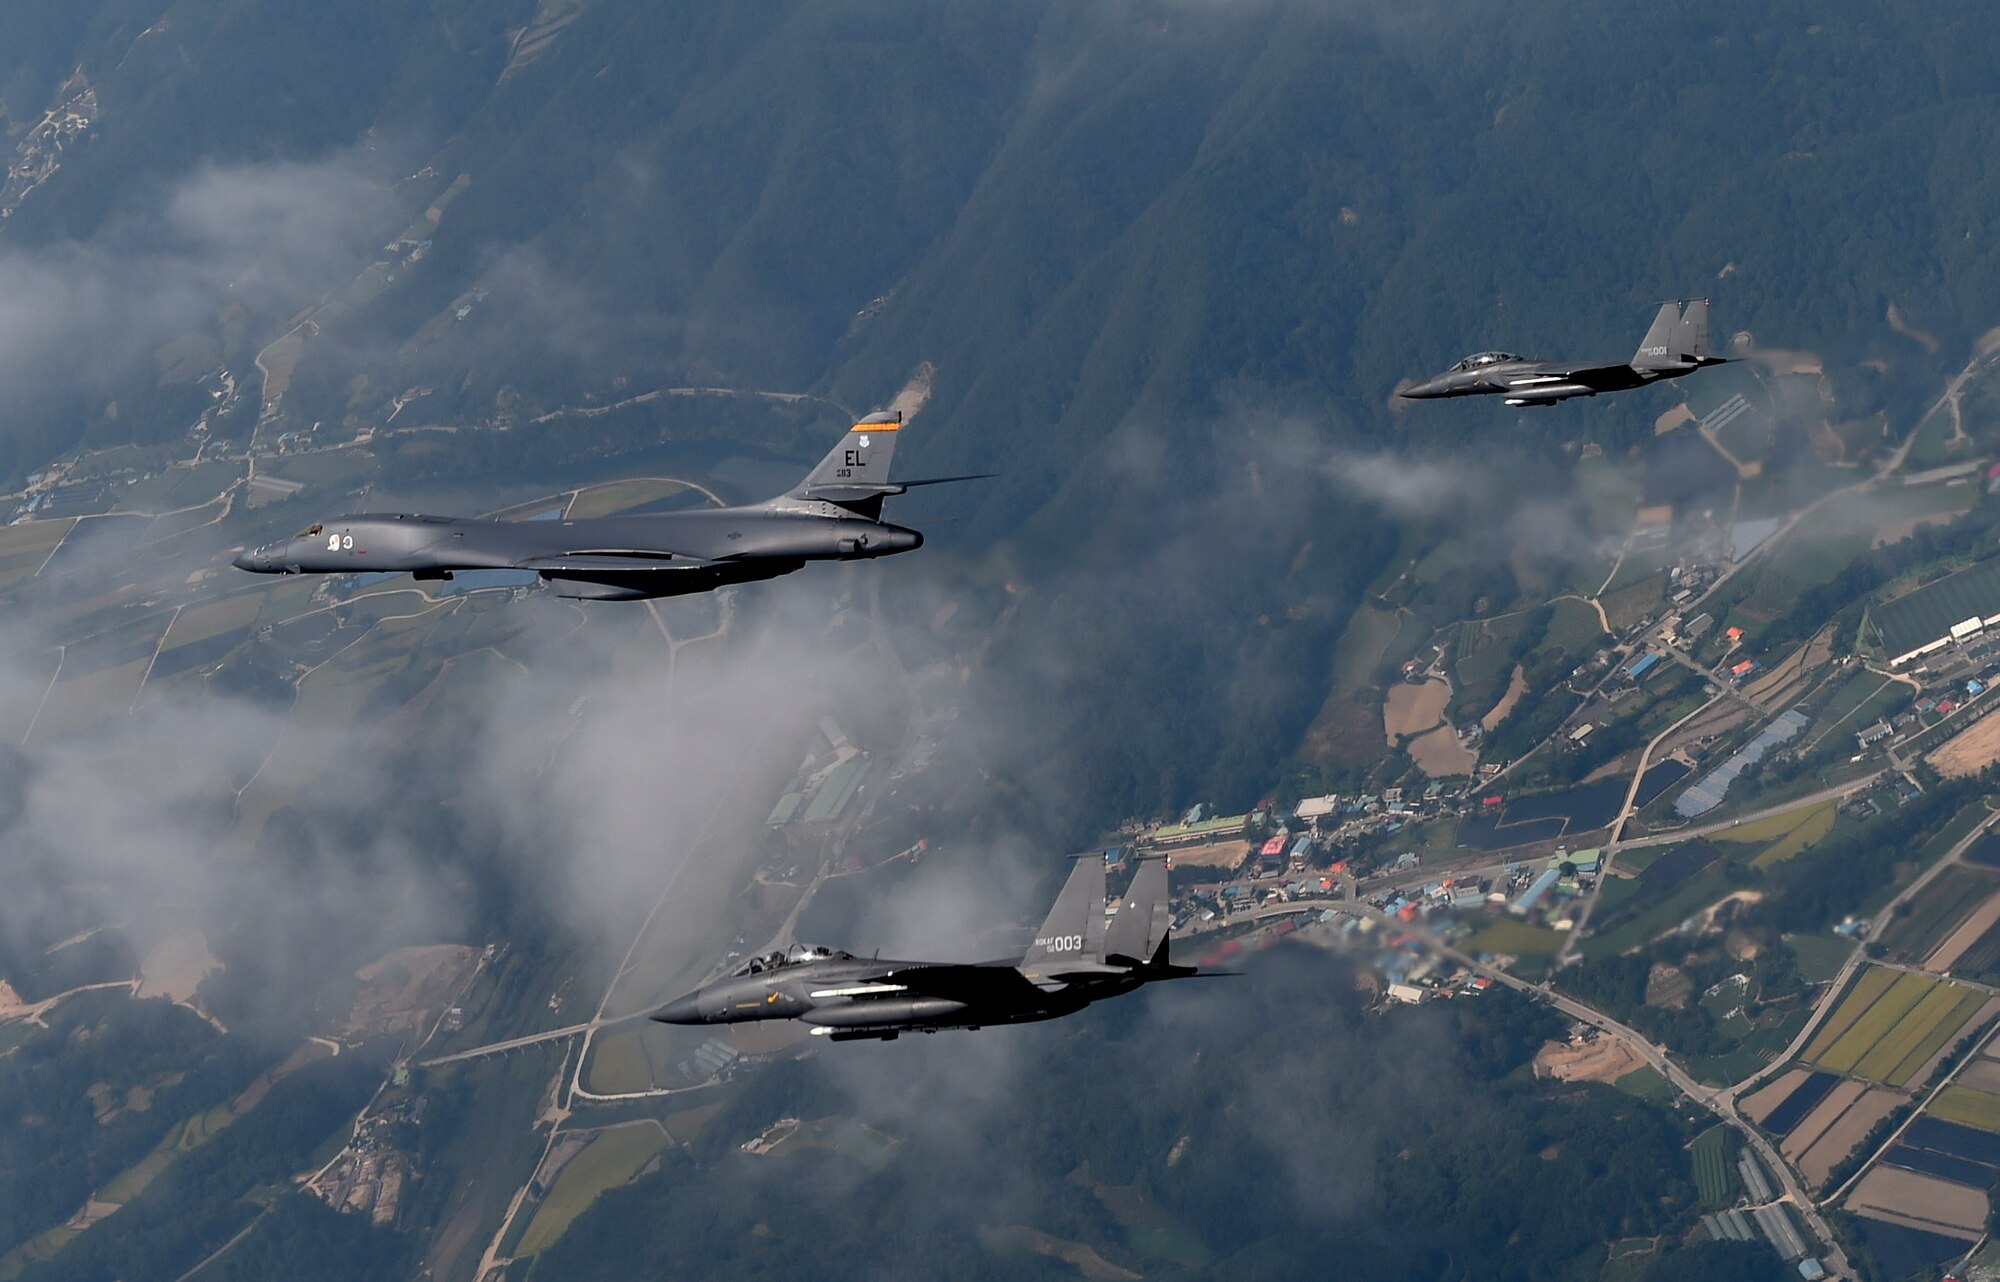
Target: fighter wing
(969,984)
(1550,382)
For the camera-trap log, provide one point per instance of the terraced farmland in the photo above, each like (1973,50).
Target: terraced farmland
(1890,1025)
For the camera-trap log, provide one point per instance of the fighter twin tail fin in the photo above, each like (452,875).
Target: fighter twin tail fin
(1677,339)
(1141,924)
(1074,931)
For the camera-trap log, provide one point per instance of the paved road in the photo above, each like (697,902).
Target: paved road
(532,1039)
(1718,1102)
(1625,811)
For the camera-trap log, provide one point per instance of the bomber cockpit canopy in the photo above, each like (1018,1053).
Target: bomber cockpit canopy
(796,955)
(311,531)
(1479,360)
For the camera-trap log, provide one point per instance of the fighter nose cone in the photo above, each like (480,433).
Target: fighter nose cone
(681,1010)
(1422,390)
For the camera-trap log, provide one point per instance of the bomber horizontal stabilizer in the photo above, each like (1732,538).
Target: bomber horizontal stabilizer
(850,493)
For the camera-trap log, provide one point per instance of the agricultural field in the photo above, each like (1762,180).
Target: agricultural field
(1819,957)
(614,1158)
(23,548)
(1668,911)
(1517,938)
(1920,1201)
(1890,1024)
(1830,1130)
(179,487)
(1782,836)
(1348,727)
(1830,540)
(1925,922)
(1365,646)
(1766,1100)
(1967,1107)
(618,1065)
(1841,711)
(1647,1084)
(1713,1177)
(1982,957)
(336,469)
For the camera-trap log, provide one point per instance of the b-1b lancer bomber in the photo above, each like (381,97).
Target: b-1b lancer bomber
(835,514)
(1677,344)
(1076,959)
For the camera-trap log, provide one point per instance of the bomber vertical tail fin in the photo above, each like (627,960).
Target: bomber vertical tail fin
(856,471)
(1074,931)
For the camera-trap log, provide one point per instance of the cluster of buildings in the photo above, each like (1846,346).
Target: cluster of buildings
(370,1174)
(40,153)
(828,779)
(1545,893)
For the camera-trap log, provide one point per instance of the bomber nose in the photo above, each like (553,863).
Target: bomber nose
(246,559)
(681,1010)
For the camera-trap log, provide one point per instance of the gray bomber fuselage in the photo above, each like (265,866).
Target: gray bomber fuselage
(834,514)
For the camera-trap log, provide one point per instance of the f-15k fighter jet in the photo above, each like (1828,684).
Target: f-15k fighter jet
(1076,959)
(835,514)
(1677,344)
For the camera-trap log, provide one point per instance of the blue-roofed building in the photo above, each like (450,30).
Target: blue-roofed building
(1641,665)
(1707,793)
(1537,890)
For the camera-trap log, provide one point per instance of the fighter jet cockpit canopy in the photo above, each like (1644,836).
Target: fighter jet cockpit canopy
(1479,360)
(797,954)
